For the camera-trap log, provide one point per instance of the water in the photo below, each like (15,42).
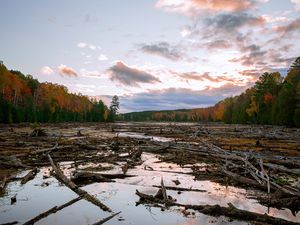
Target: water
(40,194)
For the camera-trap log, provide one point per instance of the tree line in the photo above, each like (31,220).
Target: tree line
(273,99)
(25,99)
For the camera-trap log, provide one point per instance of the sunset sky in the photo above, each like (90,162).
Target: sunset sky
(153,54)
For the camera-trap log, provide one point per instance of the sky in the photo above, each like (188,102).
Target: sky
(153,54)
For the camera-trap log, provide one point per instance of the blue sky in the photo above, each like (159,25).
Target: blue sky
(160,54)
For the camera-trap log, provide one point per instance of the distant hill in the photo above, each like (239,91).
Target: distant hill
(273,99)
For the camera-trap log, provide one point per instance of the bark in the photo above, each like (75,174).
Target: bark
(107,219)
(30,175)
(74,187)
(51,211)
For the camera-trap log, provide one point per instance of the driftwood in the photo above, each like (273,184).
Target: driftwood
(3,184)
(149,198)
(107,219)
(217,210)
(282,168)
(180,188)
(30,175)
(235,213)
(115,175)
(10,223)
(291,203)
(51,211)
(71,185)
(87,177)
(11,161)
(38,132)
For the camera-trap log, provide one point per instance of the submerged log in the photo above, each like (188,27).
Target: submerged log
(74,187)
(107,219)
(51,211)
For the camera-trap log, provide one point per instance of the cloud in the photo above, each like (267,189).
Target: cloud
(162,49)
(297,4)
(206,76)
(46,70)
(289,29)
(218,44)
(90,73)
(177,98)
(195,7)
(102,57)
(231,22)
(66,71)
(130,76)
(86,45)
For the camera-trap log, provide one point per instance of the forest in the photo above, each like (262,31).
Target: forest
(25,99)
(273,100)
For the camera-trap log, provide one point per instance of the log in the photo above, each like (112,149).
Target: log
(115,175)
(243,180)
(30,175)
(74,187)
(149,198)
(282,168)
(10,223)
(164,192)
(87,177)
(235,213)
(11,161)
(180,189)
(51,211)
(217,210)
(107,219)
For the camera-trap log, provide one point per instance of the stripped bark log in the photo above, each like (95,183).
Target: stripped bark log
(74,187)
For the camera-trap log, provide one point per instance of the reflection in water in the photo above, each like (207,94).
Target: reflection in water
(40,194)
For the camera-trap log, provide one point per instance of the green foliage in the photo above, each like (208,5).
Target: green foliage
(114,108)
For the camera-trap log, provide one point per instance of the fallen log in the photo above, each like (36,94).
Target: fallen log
(10,223)
(115,175)
(11,161)
(30,175)
(239,214)
(87,177)
(149,198)
(71,185)
(107,219)
(180,188)
(217,210)
(51,211)
(292,203)
(282,168)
